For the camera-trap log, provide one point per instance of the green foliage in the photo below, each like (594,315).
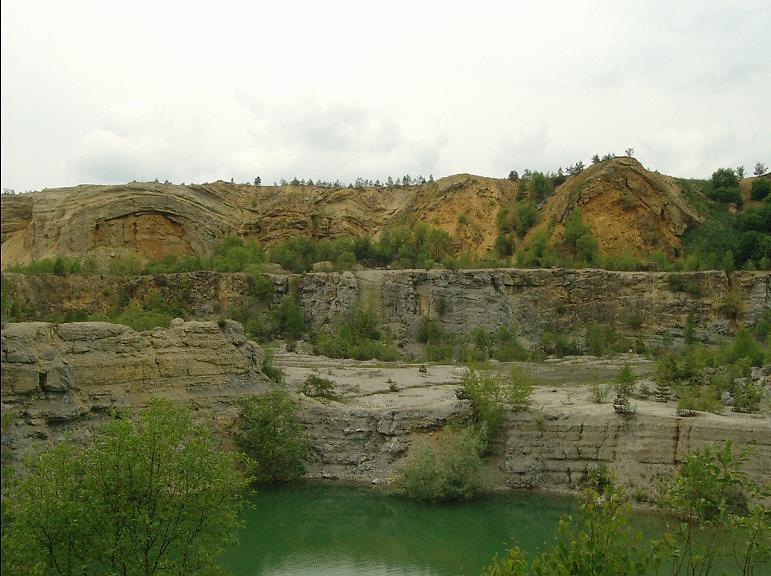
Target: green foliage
(724,178)
(268,430)
(727,195)
(718,513)
(290,319)
(579,241)
(687,283)
(747,396)
(273,372)
(540,187)
(556,343)
(317,387)
(356,336)
(151,495)
(445,467)
(600,392)
(485,391)
(692,399)
(760,189)
(714,513)
(602,340)
(623,388)
(519,391)
(600,542)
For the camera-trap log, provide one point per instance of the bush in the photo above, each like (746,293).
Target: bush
(558,344)
(760,189)
(150,495)
(519,389)
(600,392)
(718,513)
(269,431)
(486,394)
(290,319)
(356,336)
(270,370)
(747,396)
(318,387)
(623,388)
(447,467)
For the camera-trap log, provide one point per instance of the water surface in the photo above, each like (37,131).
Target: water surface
(330,529)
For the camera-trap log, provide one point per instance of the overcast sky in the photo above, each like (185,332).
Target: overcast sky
(106,92)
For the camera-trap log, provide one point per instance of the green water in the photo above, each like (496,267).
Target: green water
(326,529)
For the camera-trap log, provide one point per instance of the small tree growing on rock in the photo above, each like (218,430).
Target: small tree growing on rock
(623,387)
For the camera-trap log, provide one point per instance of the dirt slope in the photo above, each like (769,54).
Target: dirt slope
(627,207)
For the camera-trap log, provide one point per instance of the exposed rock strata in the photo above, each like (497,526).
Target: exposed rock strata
(58,378)
(64,378)
(636,304)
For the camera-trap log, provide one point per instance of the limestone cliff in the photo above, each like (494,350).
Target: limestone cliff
(58,378)
(647,305)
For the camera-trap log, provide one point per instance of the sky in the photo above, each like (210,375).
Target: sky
(108,92)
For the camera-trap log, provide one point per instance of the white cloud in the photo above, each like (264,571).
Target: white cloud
(190,91)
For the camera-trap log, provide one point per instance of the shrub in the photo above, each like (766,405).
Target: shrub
(601,340)
(553,342)
(447,467)
(150,495)
(318,387)
(718,513)
(486,395)
(760,189)
(747,396)
(519,389)
(623,388)
(600,392)
(356,336)
(691,399)
(290,319)
(269,431)
(270,370)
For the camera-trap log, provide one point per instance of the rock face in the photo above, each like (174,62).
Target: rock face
(628,208)
(646,305)
(637,304)
(62,377)
(148,219)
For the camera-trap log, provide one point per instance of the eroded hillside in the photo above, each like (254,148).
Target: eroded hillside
(627,207)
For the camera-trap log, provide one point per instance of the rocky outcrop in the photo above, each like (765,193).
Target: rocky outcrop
(149,220)
(651,306)
(637,304)
(65,377)
(629,209)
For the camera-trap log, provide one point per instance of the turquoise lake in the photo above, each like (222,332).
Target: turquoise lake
(325,529)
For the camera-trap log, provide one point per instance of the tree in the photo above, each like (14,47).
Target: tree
(513,176)
(624,386)
(269,431)
(629,152)
(760,189)
(149,495)
(740,172)
(760,169)
(596,159)
(257,181)
(724,178)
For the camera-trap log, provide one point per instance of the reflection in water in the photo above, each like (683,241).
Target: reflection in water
(331,529)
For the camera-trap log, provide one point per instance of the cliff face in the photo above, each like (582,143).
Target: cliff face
(149,219)
(59,379)
(647,305)
(628,208)
(640,304)
(64,377)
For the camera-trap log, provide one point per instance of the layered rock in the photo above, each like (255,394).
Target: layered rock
(645,305)
(65,377)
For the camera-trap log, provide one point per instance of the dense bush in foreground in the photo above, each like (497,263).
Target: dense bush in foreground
(151,495)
